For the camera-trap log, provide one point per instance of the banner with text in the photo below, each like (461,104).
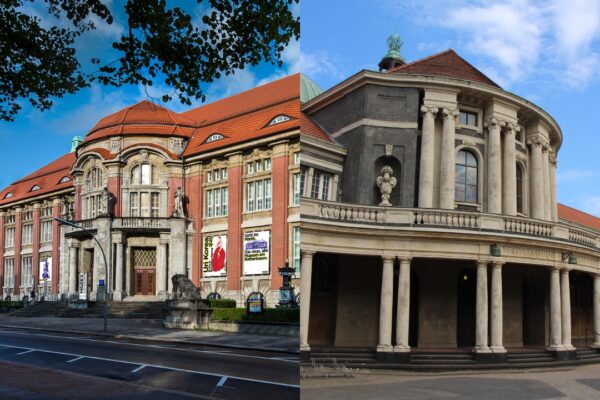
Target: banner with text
(45,275)
(257,246)
(214,258)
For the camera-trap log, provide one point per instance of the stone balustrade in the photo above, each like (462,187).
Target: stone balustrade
(141,222)
(422,218)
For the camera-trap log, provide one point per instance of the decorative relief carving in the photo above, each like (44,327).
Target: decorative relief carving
(526,252)
(144,155)
(386,183)
(115,144)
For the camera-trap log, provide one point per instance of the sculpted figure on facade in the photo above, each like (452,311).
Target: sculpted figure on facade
(66,209)
(178,204)
(107,197)
(386,183)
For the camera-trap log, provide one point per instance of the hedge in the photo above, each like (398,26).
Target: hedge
(290,315)
(222,303)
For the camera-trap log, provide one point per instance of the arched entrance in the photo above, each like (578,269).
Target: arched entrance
(465,307)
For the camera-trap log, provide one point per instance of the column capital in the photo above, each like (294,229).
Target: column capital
(482,263)
(497,264)
(449,113)
(405,259)
(307,253)
(491,122)
(429,111)
(388,259)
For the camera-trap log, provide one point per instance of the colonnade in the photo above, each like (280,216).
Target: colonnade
(501,167)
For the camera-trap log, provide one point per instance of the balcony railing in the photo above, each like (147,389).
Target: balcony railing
(140,222)
(424,218)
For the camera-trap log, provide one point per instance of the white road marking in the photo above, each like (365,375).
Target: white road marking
(25,352)
(75,359)
(222,381)
(218,352)
(30,349)
(141,367)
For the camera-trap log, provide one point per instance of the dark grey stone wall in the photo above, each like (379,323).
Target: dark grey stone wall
(366,145)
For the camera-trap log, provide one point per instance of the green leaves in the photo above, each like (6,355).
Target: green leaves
(37,64)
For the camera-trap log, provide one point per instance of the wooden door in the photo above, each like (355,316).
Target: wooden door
(145,281)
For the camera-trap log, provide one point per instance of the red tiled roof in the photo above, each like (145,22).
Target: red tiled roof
(446,63)
(47,178)
(579,217)
(142,118)
(309,127)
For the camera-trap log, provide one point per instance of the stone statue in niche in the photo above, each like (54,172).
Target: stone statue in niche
(178,204)
(66,209)
(107,197)
(386,183)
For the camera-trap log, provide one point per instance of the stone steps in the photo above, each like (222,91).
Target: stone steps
(94,310)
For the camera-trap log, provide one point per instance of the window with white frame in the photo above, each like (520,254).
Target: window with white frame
(320,185)
(467,118)
(144,204)
(94,179)
(9,272)
(92,205)
(297,188)
(143,200)
(9,219)
(46,231)
(297,157)
(27,235)
(257,166)
(144,174)
(27,215)
(258,195)
(9,236)
(92,197)
(296,248)
(46,212)
(26,272)
(216,202)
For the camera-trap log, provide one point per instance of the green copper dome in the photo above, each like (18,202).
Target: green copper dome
(75,142)
(308,89)
(392,58)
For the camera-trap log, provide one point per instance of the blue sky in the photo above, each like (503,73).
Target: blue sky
(545,51)
(36,138)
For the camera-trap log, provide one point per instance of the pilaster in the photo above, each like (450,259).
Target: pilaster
(305,293)
(426,172)
(448,159)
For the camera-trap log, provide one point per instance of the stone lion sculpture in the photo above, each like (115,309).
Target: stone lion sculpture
(184,289)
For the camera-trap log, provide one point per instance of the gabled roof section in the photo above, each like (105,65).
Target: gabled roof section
(579,217)
(47,178)
(142,118)
(448,64)
(310,128)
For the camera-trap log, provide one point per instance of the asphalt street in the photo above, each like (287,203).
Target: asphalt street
(202,370)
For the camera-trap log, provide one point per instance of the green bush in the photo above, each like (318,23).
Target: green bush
(222,303)
(289,315)
(6,306)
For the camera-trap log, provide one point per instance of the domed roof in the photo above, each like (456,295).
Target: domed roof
(308,89)
(142,118)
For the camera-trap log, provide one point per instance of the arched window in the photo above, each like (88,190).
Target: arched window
(465,188)
(92,195)
(94,179)
(144,201)
(213,296)
(144,174)
(519,189)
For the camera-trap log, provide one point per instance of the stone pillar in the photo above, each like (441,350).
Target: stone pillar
(162,268)
(481,314)
(555,312)
(553,206)
(546,177)
(403,307)
(494,168)
(447,162)
(596,307)
(305,290)
(178,247)
(386,305)
(509,172)
(536,190)
(496,314)
(565,297)
(73,246)
(119,294)
(427,158)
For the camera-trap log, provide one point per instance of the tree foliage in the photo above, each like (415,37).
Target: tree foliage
(39,63)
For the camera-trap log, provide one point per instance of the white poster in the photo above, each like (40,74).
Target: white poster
(45,275)
(257,246)
(214,256)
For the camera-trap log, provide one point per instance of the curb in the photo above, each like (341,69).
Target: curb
(143,338)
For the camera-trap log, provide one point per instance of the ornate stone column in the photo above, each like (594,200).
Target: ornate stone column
(481,304)
(553,206)
(494,168)
(305,290)
(509,172)
(118,294)
(537,181)
(596,306)
(447,162)
(555,312)
(546,176)
(162,267)
(386,305)
(497,346)
(565,295)
(403,307)
(73,247)
(427,158)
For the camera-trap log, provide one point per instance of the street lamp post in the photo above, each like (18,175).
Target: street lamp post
(74,225)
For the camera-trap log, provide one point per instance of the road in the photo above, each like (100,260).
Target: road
(216,372)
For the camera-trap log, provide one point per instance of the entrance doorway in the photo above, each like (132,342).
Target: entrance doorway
(465,308)
(144,266)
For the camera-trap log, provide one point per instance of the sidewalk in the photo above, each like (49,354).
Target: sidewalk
(152,329)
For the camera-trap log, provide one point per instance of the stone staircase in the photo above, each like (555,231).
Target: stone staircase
(442,360)
(588,355)
(356,357)
(95,310)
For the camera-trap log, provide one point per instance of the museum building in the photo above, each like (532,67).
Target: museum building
(211,193)
(430,222)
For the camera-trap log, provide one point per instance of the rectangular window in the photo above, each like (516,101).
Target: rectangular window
(154,203)
(296,247)
(259,166)
(46,231)
(217,175)
(325,188)
(209,176)
(267,164)
(224,173)
(250,193)
(224,191)
(9,237)
(9,272)
(296,158)
(259,195)
(297,178)
(26,272)
(217,201)
(468,118)
(146,174)
(267,194)
(9,219)
(316,183)
(144,204)
(27,234)
(209,203)
(134,201)
(250,167)
(302,180)
(47,212)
